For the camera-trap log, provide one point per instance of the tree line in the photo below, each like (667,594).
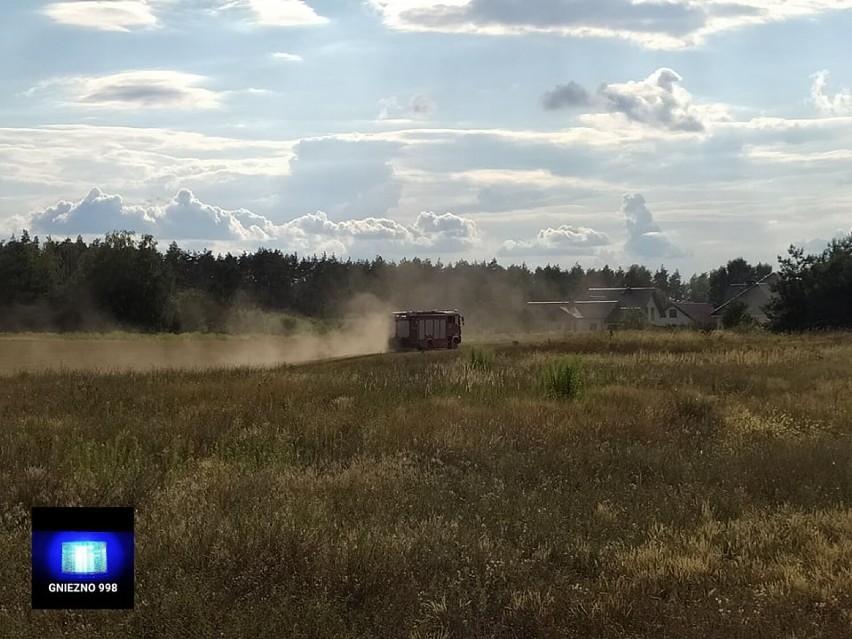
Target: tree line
(122,281)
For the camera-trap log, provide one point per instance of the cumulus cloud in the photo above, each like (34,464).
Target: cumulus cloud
(133,90)
(645,239)
(371,228)
(660,24)
(396,108)
(562,240)
(185,217)
(658,101)
(97,213)
(445,232)
(182,217)
(837,104)
(106,15)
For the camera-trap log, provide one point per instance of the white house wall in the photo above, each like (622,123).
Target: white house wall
(652,313)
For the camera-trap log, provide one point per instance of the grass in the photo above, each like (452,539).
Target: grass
(563,378)
(480,357)
(699,486)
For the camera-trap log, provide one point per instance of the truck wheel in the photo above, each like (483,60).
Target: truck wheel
(429,345)
(454,344)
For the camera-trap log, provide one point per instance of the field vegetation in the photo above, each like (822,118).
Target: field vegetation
(635,485)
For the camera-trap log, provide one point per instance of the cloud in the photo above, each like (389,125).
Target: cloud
(644,238)
(676,18)
(133,90)
(446,232)
(395,108)
(512,182)
(509,197)
(344,178)
(286,57)
(565,95)
(185,217)
(658,24)
(123,15)
(281,13)
(39,166)
(817,246)
(97,213)
(562,240)
(838,104)
(106,15)
(658,101)
(371,228)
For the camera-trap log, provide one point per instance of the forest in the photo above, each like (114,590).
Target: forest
(126,282)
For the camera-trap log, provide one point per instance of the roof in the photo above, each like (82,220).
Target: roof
(629,297)
(696,311)
(638,297)
(593,310)
(618,300)
(764,286)
(449,312)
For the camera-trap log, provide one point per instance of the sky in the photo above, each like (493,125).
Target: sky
(676,132)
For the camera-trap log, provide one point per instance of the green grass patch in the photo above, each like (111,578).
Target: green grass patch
(481,357)
(564,378)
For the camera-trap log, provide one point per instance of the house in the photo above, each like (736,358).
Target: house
(591,315)
(634,303)
(755,296)
(607,308)
(689,314)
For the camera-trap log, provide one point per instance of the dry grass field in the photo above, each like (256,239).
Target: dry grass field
(680,485)
(123,352)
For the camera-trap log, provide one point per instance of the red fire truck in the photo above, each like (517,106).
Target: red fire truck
(425,330)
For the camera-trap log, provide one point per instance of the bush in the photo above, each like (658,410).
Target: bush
(480,357)
(564,378)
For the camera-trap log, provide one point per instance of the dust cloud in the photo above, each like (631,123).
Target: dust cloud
(254,337)
(365,330)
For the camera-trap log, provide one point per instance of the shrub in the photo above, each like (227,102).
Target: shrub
(480,357)
(564,378)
